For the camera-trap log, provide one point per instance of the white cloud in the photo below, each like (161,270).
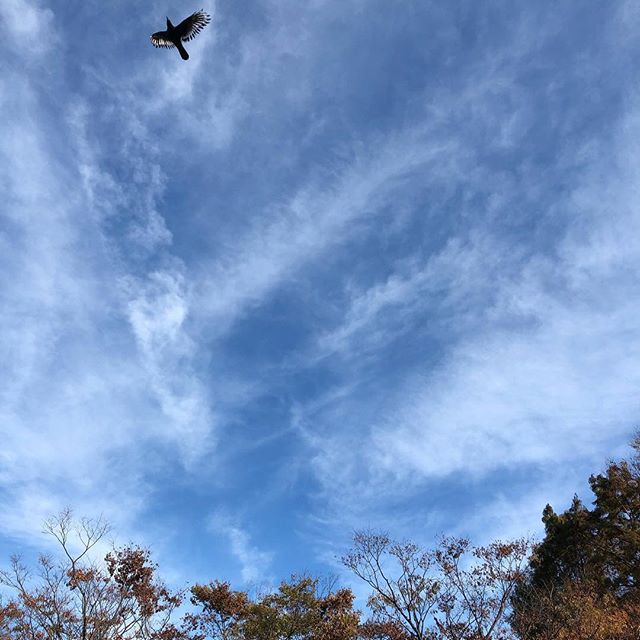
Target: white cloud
(105,334)
(158,308)
(254,563)
(77,408)
(456,280)
(314,220)
(560,383)
(31,27)
(546,374)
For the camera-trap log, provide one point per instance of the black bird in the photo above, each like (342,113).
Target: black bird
(187,30)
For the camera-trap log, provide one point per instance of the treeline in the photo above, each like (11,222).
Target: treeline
(579,583)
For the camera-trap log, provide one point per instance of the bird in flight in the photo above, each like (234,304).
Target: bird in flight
(187,30)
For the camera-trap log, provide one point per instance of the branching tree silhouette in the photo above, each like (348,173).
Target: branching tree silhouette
(76,597)
(452,592)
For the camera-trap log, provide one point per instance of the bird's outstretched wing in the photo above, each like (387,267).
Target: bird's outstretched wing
(190,27)
(161,39)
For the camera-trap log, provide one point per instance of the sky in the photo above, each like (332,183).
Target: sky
(355,264)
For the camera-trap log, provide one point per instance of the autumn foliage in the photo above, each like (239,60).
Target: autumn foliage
(583,580)
(298,610)
(580,582)
(73,597)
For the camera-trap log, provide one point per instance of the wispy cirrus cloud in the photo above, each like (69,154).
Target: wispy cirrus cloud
(543,375)
(255,563)
(75,232)
(329,266)
(158,309)
(317,219)
(527,388)
(30,26)
(525,320)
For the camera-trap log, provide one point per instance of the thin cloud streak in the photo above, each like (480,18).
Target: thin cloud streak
(546,375)
(312,222)
(540,393)
(255,564)
(413,260)
(64,319)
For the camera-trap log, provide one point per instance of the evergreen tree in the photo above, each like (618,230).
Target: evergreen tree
(583,578)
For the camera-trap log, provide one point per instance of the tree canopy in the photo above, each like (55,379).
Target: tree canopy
(580,582)
(583,578)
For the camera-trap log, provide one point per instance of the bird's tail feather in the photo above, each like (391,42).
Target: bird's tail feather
(183,52)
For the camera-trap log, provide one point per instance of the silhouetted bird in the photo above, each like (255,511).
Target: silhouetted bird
(187,30)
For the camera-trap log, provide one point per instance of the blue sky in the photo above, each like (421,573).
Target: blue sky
(354,264)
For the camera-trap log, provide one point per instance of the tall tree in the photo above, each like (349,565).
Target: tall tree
(477,586)
(583,580)
(616,518)
(404,591)
(75,597)
(452,592)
